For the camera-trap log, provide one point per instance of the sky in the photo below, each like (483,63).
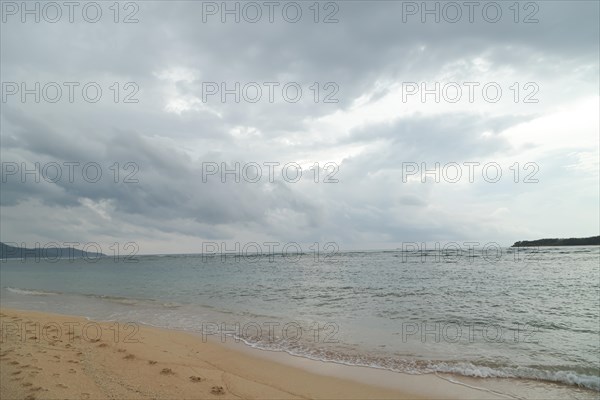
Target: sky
(372,123)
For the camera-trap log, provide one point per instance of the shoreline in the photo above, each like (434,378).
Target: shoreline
(141,361)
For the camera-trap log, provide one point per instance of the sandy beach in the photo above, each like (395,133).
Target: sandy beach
(48,356)
(162,364)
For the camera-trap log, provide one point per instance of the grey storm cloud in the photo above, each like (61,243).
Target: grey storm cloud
(170,55)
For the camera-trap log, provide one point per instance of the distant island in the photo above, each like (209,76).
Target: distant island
(589,241)
(47,252)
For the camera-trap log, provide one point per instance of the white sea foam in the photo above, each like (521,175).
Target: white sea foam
(31,292)
(565,376)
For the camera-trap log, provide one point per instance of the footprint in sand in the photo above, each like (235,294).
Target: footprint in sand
(72,371)
(26,384)
(14,363)
(16,373)
(129,357)
(56,375)
(151,362)
(195,378)
(167,371)
(73,361)
(217,390)
(60,385)
(102,345)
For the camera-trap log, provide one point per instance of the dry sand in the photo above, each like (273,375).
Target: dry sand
(47,356)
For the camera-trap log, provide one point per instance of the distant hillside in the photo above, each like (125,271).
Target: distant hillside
(7,251)
(589,241)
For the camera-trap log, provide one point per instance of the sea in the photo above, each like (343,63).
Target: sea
(527,315)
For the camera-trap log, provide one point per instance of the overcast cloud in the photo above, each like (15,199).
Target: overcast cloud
(373,134)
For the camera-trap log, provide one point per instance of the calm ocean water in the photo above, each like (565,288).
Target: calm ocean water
(532,315)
